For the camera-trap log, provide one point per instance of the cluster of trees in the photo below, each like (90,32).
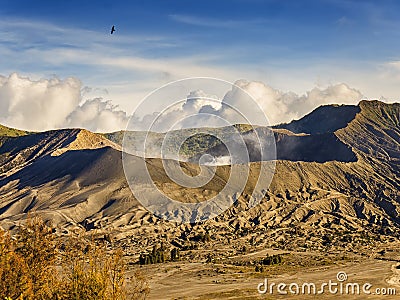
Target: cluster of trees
(202,237)
(198,143)
(272,260)
(158,255)
(259,268)
(269,260)
(190,246)
(175,254)
(34,264)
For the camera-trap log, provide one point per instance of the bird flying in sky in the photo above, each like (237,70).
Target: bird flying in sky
(112,29)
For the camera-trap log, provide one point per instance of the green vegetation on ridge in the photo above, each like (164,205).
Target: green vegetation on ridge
(11,132)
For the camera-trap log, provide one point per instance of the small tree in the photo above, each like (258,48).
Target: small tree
(175,255)
(36,244)
(14,276)
(157,255)
(28,268)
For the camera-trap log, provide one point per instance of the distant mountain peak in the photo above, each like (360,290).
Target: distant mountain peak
(19,151)
(85,139)
(323,119)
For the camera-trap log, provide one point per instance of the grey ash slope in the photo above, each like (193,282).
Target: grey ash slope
(311,139)
(75,179)
(18,151)
(324,119)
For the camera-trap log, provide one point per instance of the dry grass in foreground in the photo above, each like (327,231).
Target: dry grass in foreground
(35,265)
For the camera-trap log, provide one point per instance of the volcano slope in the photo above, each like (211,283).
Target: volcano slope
(341,194)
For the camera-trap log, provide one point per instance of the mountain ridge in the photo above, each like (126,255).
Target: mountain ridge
(86,188)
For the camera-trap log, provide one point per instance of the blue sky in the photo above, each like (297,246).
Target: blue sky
(289,45)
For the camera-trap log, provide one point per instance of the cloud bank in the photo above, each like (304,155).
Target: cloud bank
(285,106)
(46,104)
(55,103)
(201,110)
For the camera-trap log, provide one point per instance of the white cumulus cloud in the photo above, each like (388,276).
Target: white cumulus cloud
(248,102)
(54,103)
(282,106)
(98,115)
(37,105)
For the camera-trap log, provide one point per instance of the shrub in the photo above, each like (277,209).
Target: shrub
(175,255)
(36,245)
(272,260)
(259,268)
(92,273)
(202,237)
(14,278)
(27,263)
(35,265)
(156,256)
